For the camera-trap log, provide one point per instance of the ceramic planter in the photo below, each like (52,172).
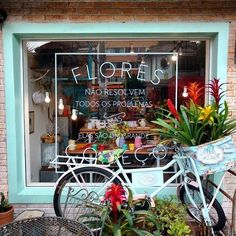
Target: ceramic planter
(7,216)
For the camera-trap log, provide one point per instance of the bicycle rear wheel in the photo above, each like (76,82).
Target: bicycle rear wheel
(78,194)
(216,212)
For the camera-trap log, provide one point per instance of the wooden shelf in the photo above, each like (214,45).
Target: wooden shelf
(138,129)
(143,151)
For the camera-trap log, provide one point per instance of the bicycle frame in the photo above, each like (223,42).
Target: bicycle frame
(178,159)
(124,173)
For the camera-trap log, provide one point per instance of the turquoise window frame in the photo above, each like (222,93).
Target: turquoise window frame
(14,33)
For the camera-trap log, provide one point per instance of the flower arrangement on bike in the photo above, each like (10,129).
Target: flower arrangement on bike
(194,123)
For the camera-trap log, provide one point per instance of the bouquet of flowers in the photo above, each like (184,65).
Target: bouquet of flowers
(194,124)
(120,130)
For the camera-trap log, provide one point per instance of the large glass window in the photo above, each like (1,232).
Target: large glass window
(95,86)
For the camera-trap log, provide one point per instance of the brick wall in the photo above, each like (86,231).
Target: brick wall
(230,181)
(3,156)
(113,11)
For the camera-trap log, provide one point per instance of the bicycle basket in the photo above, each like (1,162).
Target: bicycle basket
(212,157)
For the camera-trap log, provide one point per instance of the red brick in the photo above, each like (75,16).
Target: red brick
(56,18)
(146,18)
(155,11)
(56,6)
(79,18)
(102,18)
(87,11)
(123,18)
(137,11)
(33,18)
(110,11)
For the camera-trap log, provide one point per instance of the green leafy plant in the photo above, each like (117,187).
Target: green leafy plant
(104,136)
(194,124)
(171,216)
(178,228)
(4,206)
(120,130)
(124,216)
(129,217)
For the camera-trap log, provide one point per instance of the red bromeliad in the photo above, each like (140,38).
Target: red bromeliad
(215,90)
(172,109)
(195,92)
(115,194)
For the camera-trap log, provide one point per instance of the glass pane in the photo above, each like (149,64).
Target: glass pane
(98,86)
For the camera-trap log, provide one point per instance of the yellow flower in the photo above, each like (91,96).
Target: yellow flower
(205,114)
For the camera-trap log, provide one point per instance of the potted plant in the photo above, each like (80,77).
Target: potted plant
(194,124)
(103,137)
(6,210)
(126,216)
(119,131)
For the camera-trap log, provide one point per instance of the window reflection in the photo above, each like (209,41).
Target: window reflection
(95,91)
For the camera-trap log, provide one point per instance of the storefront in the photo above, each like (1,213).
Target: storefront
(94,79)
(128,46)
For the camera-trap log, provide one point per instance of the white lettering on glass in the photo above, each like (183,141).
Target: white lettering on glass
(141,72)
(75,75)
(113,68)
(125,69)
(156,80)
(88,72)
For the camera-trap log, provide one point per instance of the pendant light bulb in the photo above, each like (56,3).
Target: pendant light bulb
(61,105)
(74,115)
(185,92)
(180,51)
(142,61)
(47,98)
(131,48)
(174,56)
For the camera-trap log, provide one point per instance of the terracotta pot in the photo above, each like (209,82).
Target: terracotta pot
(7,216)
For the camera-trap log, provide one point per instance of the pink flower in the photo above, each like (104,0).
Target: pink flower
(215,90)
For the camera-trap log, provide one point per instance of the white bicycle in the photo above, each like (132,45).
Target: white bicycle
(81,188)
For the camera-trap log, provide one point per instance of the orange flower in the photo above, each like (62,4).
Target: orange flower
(195,92)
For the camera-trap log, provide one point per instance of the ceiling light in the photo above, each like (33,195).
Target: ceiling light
(74,114)
(61,105)
(142,60)
(131,48)
(185,92)
(47,98)
(174,56)
(180,52)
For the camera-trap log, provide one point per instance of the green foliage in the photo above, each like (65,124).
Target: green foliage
(188,129)
(178,228)
(130,221)
(104,136)
(120,130)
(171,216)
(194,125)
(166,218)
(4,206)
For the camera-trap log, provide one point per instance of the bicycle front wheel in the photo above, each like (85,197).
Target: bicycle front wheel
(80,192)
(216,212)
